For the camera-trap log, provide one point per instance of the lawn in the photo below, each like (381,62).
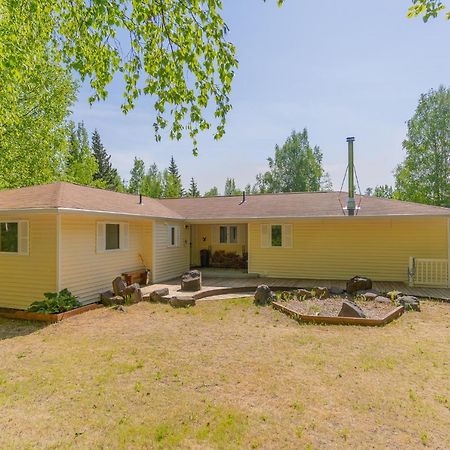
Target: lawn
(224,374)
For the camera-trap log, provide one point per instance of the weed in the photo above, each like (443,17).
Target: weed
(424,438)
(138,387)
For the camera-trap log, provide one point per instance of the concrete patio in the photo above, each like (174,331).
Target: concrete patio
(220,287)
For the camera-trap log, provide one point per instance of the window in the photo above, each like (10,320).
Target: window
(173,236)
(112,236)
(223,235)
(9,237)
(112,231)
(226,234)
(277,235)
(233,234)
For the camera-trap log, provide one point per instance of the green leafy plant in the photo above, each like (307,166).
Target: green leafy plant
(55,302)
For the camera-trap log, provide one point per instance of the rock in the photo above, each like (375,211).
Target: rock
(130,293)
(158,294)
(120,308)
(409,302)
(263,295)
(358,283)
(381,299)
(320,292)
(108,299)
(369,295)
(350,309)
(334,290)
(177,302)
(394,295)
(191,281)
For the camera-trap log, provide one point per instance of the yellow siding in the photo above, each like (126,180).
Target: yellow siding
(342,248)
(25,278)
(169,262)
(85,272)
(205,231)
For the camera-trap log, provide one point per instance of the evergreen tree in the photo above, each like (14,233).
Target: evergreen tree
(213,192)
(193,189)
(425,173)
(230,187)
(106,174)
(152,184)
(137,176)
(172,185)
(80,165)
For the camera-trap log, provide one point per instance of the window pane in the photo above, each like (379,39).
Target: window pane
(172,236)
(223,235)
(276,236)
(9,237)
(112,236)
(233,235)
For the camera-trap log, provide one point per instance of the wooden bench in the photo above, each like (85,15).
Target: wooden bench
(136,276)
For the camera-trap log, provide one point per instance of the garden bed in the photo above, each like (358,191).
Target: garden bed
(327,310)
(9,313)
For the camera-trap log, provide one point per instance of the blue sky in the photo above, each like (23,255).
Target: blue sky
(338,68)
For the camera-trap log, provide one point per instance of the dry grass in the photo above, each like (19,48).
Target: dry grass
(225,375)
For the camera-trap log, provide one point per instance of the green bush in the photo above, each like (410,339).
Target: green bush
(55,302)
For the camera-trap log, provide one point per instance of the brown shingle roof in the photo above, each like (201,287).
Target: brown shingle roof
(73,196)
(306,204)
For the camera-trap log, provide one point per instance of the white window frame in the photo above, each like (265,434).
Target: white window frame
(176,234)
(228,227)
(286,235)
(23,237)
(101,237)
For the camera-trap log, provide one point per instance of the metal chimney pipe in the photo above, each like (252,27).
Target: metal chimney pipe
(351,204)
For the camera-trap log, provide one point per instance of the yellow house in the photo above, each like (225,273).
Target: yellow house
(63,235)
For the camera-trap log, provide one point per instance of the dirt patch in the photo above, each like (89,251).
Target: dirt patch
(331,306)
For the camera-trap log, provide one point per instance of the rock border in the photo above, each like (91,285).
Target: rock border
(336,320)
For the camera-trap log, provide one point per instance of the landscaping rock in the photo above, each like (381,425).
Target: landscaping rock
(320,292)
(181,302)
(158,294)
(394,295)
(409,302)
(303,294)
(381,299)
(108,298)
(369,295)
(358,283)
(120,308)
(263,295)
(132,292)
(191,281)
(334,290)
(350,309)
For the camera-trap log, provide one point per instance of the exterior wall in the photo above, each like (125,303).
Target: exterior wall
(169,262)
(201,231)
(85,272)
(342,248)
(27,277)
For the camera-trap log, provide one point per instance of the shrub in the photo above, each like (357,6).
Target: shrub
(55,302)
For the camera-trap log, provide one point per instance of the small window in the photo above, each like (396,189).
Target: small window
(223,235)
(277,236)
(112,235)
(233,234)
(174,236)
(9,237)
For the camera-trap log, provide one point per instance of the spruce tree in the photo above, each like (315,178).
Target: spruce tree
(193,189)
(105,173)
